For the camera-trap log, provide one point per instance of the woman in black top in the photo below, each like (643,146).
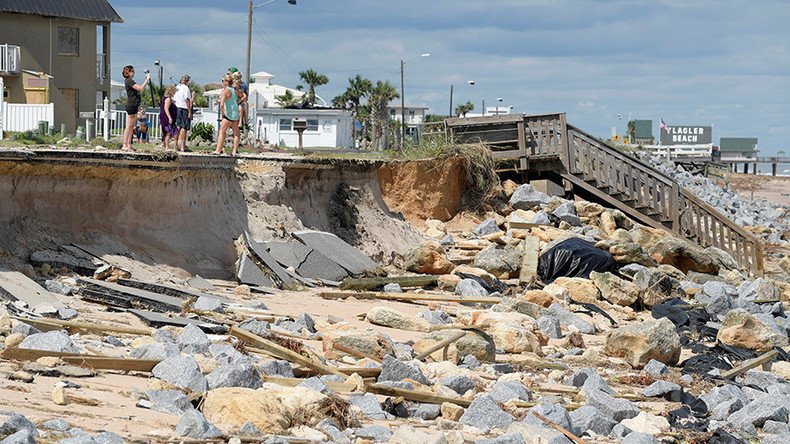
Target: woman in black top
(133,91)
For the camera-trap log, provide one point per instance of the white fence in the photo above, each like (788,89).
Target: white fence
(118,122)
(25,117)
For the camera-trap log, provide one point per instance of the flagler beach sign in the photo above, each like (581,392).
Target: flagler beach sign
(685,135)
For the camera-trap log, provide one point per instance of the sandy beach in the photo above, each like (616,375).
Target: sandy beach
(775,189)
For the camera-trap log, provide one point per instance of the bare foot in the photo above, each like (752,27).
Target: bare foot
(129,149)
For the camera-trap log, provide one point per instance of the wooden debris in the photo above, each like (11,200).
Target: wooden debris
(529,260)
(47,324)
(516,225)
(374,283)
(93,361)
(496,238)
(443,344)
(748,365)
(354,353)
(409,297)
(415,395)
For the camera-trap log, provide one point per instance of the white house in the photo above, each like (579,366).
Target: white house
(263,93)
(414,114)
(326,128)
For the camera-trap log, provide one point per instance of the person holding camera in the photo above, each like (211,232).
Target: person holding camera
(133,99)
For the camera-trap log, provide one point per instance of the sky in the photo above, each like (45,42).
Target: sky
(723,63)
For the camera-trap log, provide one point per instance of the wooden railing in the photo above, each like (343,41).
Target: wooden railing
(628,183)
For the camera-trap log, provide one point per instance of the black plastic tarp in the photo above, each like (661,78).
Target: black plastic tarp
(572,257)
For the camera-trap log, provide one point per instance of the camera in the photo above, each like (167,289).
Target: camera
(147,71)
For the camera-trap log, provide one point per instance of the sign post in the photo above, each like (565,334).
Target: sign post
(106,119)
(300,125)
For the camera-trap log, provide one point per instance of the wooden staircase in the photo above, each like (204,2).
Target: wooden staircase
(603,173)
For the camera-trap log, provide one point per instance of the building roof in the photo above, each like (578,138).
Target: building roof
(738,144)
(396,104)
(92,10)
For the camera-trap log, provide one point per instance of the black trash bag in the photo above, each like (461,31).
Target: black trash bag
(681,314)
(704,363)
(495,286)
(572,257)
(685,418)
(722,437)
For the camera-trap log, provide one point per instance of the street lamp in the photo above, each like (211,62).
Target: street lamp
(470,82)
(159,69)
(499,100)
(249,32)
(403,99)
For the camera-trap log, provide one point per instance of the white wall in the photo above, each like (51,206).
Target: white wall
(334,128)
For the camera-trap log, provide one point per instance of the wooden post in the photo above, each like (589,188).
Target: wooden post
(529,259)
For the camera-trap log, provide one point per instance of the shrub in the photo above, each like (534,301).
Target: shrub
(202,130)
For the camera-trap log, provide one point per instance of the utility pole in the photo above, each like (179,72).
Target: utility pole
(249,42)
(450,114)
(402,108)
(484,107)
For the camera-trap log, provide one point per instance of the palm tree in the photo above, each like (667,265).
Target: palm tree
(358,89)
(312,79)
(464,108)
(287,99)
(380,96)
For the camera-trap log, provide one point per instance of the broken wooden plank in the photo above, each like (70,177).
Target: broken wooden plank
(365,372)
(282,352)
(529,259)
(354,353)
(415,395)
(136,298)
(375,283)
(46,324)
(517,225)
(409,297)
(750,364)
(93,361)
(496,238)
(440,345)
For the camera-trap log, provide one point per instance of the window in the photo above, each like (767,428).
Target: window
(68,41)
(312,124)
(285,125)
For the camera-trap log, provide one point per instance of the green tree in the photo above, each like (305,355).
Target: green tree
(358,89)
(380,97)
(287,99)
(312,79)
(464,108)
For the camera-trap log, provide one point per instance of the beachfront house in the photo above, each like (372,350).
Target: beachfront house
(738,147)
(56,52)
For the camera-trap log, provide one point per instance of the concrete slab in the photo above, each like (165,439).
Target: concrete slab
(58,259)
(288,254)
(117,294)
(15,286)
(199,283)
(250,274)
(318,266)
(157,320)
(171,290)
(343,254)
(258,249)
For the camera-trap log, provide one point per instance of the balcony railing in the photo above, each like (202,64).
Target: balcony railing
(9,59)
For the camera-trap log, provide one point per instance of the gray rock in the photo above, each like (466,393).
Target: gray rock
(24,329)
(19,437)
(567,213)
(403,352)
(760,410)
(554,413)
(784,438)
(488,226)
(56,341)
(255,326)
(589,418)
(437,317)
(759,289)
(224,353)
(550,326)
(192,340)
(164,336)
(660,388)
(718,288)
(579,377)
(108,438)
(156,350)
(620,431)
(377,433)
(206,303)
(718,395)
(655,368)
(277,368)
(617,409)
(447,240)
(498,260)
(510,438)
(369,405)
(567,318)
(11,423)
(57,425)
(595,382)
(314,383)
(66,313)
(485,414)
(470,288)
(723,410)
(393,288)
(503,367)
(112,340)
(541,218)
(194,425)
(459,384)
(395,370)
(504,391)
(58,287)
(427,412)
(398,384)
(183,372)
(234,375)
(525,197)
(469,361)
(639,438)
(306,322)
(249,429)
(172,402)
(761,379)
(775,427)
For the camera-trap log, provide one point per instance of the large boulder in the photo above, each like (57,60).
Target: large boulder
(514,338)
(270,408)
(475,343)
(389,317)
(525,197)
(615,290)
(657,286)
(363,342)
(631,253)
(428,258)
(683,255)
(579,289)
(499,260)
(639,343)
(742,329)
(181,371)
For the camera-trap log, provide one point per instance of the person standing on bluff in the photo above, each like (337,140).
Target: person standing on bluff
(183,99)
(133,90)
(229,107)
(167,115)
